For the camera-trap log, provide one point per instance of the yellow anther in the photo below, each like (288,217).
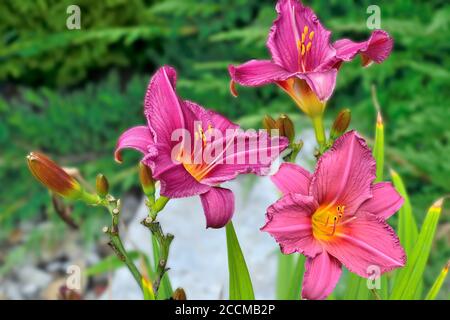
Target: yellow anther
(303,49)
(305,30)
(311,35)
(303,37)
(308,47)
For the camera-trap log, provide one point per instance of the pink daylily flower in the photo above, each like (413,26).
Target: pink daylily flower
(336,216)
(180,175)
(304,61)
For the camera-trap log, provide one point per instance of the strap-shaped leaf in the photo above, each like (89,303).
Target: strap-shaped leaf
(378,148)
(432,294)
(407,226)
(295,283)
(409,279)
(241,287)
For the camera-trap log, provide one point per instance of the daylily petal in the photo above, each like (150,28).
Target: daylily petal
(385,201)
(209,117)
(289,222)
(218,205)
(247,152)
(163,108)
(322,83)
(321,276)
(258,73)
(178,183)
(292,178)
(367,241)
(286,32)
(138,138)
(377,48)
(344,174)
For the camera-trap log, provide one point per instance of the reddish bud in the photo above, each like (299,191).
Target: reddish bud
(340,124)
(147,181)
(53,176)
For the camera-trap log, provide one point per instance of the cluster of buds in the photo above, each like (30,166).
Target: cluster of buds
(283,125)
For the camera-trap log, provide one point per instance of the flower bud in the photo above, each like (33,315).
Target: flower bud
(269,123)
(53,176)
(101,185)
(147,181)
(179,294)
(340,124)
(286,127)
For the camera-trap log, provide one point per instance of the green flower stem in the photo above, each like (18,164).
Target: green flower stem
(319,130)
(157,206)
(164,242)
(115,242)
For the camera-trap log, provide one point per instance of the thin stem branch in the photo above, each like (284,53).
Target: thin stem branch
(164,241)
(115,242)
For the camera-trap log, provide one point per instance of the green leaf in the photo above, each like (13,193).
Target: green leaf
(432,294)
(409,279)
(407,226)
(378,149)
(109,263)
(296,279)
(286,265)
(147,289)
(241,287)
(356,288)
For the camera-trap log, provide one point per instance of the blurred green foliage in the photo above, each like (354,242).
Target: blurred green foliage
(71,93)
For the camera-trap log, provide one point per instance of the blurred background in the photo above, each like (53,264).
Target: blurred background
(70,93)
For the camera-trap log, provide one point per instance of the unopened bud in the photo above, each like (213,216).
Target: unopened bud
(340,124)
(286,127)
(147,181)
(101,185)
(269,123)
(179,294)
(53,176)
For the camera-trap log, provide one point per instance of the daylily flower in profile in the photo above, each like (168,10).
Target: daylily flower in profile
(304,61)
(184,172)
(336,216)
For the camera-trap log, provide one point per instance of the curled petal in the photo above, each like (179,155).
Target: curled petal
(365,242)
(218,205)
(138,138)
(289,222)
(344,174)
(292,178)
(377,48)
(258,73)
(385,201)
(321,276)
